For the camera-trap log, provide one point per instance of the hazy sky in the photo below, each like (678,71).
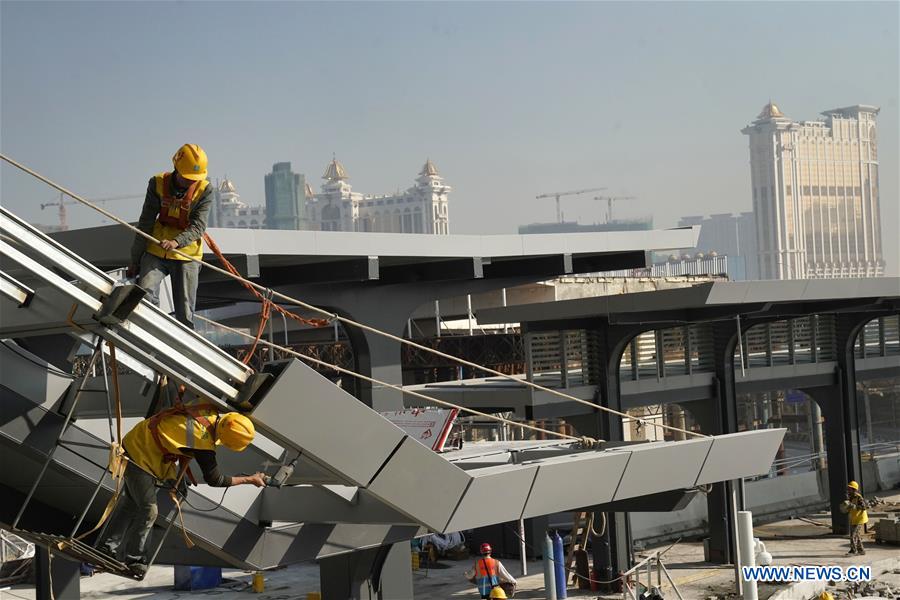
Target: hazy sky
(508,99)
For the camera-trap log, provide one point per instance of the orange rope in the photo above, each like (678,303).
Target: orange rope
(267,304)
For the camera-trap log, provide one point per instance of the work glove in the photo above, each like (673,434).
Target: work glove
(589,443)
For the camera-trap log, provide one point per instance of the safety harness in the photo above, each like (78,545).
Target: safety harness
(173,211)
(191,413)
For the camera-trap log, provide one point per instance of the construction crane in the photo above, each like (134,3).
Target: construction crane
(558,195)
(63,203)
(609,203)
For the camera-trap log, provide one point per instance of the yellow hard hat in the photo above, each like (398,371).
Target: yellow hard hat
(826,596)
(497,592)
(853,485)
(190,162)
(235,431)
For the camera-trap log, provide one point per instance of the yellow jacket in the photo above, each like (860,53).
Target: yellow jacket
(176,431)
(857,512)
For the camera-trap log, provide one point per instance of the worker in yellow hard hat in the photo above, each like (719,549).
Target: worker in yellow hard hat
(159,450)
(175,212)
(856,509)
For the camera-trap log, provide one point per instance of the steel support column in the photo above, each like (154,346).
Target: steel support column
(612,550)
(383,573)
(838,404)
(55,578)
(720,419)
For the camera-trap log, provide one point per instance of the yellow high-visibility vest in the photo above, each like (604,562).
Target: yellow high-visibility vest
(175,432)
(173,218)
(858,516)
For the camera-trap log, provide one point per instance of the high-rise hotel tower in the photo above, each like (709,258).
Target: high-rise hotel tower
(815,194)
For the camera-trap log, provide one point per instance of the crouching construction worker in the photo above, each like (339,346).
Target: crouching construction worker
(489,574)
(856,510)
(175,212)
(158,451)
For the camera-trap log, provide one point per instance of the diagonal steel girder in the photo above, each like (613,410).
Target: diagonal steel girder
(304,411)
(225,535)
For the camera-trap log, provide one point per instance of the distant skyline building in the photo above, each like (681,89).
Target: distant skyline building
(285,198)
(230,212)
(422,208)
(291,203)
(641,224)
(733,236)
(815,194)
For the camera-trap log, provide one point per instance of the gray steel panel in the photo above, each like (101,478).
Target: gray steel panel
(305,411)
(741,455)
(329,245)
(496,495)
(719,293)
(316,504)
(419,483)
(662,466)
(575,481)
(43,386)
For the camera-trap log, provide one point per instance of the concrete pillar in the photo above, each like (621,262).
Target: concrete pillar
(55,577)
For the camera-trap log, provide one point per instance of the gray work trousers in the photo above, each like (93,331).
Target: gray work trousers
(129,528)
(185,278)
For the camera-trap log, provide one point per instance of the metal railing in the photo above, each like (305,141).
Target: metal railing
(879,337)
(567,358)
(803,340)
(709,265)
(668,352)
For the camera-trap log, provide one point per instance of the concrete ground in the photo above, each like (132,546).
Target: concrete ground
(792,542)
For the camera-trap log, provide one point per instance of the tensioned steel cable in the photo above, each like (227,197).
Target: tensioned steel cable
(335,317)
(385,384)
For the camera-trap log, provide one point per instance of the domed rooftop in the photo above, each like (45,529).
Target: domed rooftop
(309,191)
(335,171)
(429,169)
(770,111)
(227,185)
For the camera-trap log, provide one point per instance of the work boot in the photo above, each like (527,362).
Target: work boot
(852,552)
(138,570)
(861,552)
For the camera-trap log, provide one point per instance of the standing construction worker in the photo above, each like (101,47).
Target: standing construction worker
(153,448)
(856,510)
(175,212)
(489,573)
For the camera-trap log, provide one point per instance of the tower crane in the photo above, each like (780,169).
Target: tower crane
(609,203)
(62,204)
(558,195)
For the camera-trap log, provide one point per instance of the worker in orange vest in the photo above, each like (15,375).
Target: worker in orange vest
(488,573)
(158,449)
(175,212)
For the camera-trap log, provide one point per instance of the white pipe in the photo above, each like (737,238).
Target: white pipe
(503,304)
(437,318)
(522,547)
(747,555)
(469,311)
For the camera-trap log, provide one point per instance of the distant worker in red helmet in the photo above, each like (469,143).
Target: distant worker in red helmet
(154,448)
(175,212)
(489,573)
